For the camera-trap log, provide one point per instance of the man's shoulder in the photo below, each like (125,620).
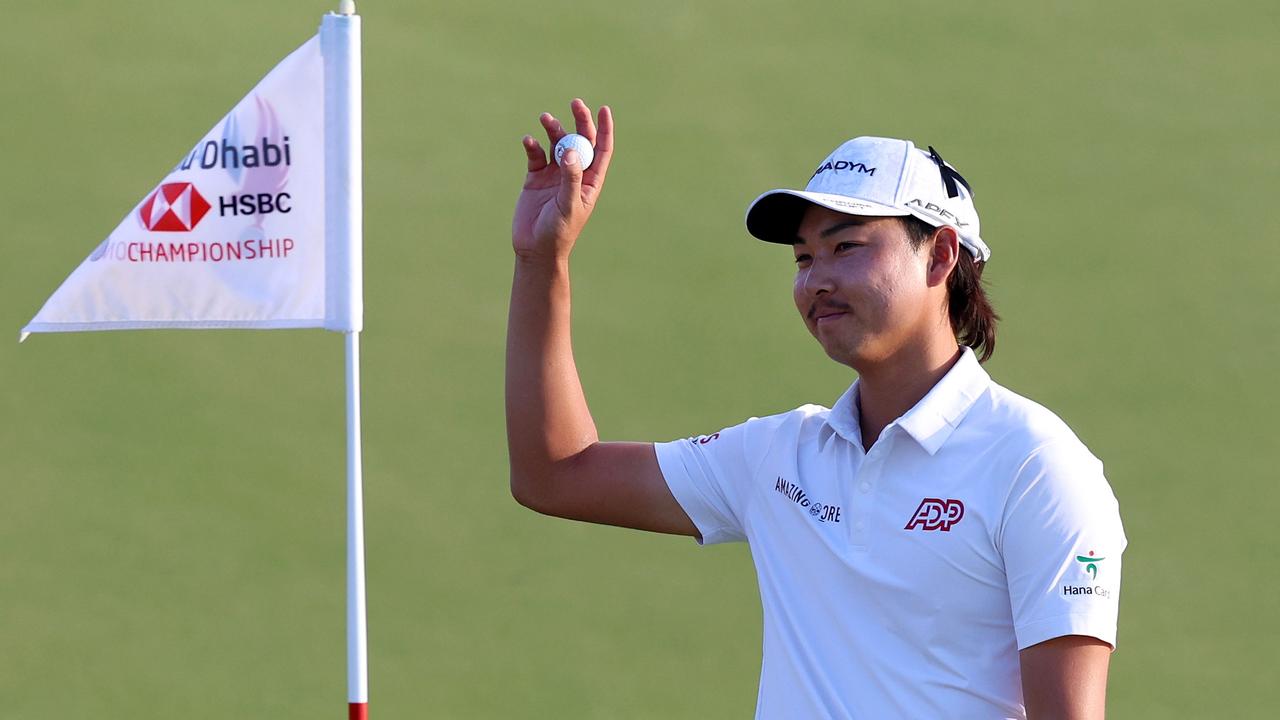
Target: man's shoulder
(794,421)
(1019,424)
(759,435)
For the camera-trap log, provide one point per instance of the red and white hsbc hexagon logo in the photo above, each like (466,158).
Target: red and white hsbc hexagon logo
(173,207)
(936,514)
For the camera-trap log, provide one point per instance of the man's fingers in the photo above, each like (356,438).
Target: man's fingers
(554,129)
(604,139)
(569,196)
(604,149)
(582,120)
(532,150)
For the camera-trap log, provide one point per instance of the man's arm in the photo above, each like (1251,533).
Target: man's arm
(1066,678)
(558,464)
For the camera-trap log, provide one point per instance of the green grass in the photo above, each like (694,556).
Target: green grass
(172,523)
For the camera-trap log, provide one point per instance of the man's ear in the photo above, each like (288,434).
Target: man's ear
(944,253)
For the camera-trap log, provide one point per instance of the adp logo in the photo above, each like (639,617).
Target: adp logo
(173,207)
(936,514)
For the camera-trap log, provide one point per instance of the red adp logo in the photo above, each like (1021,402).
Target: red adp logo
(936,514)
(173,207)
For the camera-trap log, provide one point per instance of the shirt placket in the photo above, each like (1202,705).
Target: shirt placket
(866,483)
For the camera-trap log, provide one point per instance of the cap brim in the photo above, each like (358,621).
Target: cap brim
(775,216)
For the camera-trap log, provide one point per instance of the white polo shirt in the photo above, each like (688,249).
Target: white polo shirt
(902,582)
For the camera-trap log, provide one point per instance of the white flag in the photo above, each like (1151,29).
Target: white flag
(232,237)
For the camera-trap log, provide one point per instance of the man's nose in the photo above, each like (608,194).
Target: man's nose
(818,278)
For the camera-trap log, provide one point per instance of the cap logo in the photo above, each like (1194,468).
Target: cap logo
(938,211)
(846,202)
(949,175)
(839,165)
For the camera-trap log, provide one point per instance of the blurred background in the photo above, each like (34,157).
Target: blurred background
(171,529)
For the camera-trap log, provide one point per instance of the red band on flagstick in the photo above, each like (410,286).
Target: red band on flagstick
(357,711)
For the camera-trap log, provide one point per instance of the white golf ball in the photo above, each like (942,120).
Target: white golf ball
(586,153)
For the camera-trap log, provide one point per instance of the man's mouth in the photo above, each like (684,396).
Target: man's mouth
(819,313)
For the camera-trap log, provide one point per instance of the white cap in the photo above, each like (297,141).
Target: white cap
(880,177)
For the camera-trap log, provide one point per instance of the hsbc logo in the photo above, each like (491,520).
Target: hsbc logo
(936,514)
(173,207)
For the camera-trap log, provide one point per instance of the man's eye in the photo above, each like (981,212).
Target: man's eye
(802,259)
(845,246)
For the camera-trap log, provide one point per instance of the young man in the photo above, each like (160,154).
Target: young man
(933,545)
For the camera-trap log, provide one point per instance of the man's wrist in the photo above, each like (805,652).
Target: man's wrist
(542,262)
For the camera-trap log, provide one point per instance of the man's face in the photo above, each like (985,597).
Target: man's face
(860,286)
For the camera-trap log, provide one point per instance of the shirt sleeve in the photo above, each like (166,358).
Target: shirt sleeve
(708,475)
(1062,541)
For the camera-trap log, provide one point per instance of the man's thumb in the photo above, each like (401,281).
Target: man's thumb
(570,180)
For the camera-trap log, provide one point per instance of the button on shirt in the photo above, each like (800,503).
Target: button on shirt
(902,581)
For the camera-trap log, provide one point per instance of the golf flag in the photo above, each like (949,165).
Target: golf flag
(233,236)
(259,225)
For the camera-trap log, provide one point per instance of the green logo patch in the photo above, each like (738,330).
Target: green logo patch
(1090,564)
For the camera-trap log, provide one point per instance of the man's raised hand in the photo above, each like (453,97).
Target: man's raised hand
(556,201)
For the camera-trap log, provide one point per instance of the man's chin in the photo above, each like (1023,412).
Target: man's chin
(842,354)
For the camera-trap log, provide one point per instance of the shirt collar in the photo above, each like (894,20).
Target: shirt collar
(934,418)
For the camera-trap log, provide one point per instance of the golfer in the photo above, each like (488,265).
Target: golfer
(932,546)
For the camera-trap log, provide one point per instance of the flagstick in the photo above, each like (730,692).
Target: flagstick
(357,635)
(340,46)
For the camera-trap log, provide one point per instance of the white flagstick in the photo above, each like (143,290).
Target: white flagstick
(357,636)
(340,45)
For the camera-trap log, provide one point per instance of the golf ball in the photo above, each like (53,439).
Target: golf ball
(586,153)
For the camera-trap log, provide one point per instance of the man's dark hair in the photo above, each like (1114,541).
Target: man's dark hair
(972,318)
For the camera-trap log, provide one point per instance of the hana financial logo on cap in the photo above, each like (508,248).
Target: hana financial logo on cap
(1090,563)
